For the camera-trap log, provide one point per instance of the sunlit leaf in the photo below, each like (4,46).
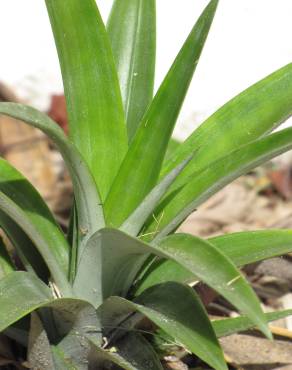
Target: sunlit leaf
(131,29)
(94,104)
(140,169)
(250,115)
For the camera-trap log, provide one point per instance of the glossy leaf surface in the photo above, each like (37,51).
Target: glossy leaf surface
(96,118)
(143,161)
(131,29)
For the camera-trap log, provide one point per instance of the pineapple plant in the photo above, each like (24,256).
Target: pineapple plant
(80,298)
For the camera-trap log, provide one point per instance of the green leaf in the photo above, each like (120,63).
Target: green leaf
(6,265)
(122,257)
(170,306)
(90,218)
(230,326)
(23,204)
(20,294)
(134,223)
(132,352)
(201,185)
(140,169)
(39,353)
(171,148)
(242,248)
(200,258)
(26,251)
(161,271)
(77,323)
(252,246)
(108,266)
(250,115)
(96,118)
(131,29)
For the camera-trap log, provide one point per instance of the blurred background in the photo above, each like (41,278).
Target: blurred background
(248,40)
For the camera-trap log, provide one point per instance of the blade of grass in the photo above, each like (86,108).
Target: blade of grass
(131,29)
(140,169)
(96,118)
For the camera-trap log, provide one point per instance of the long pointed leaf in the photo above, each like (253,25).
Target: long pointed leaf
(22,203)
(230,326)
(96,118)
(28,254)
(170,306)
(200,257)
(90,217)
(41,240)
(242,248)
(253,113)
(252,246)
(218,174)
(140,169)
(131,28)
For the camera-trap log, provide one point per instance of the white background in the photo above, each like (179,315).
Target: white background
(248,40)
